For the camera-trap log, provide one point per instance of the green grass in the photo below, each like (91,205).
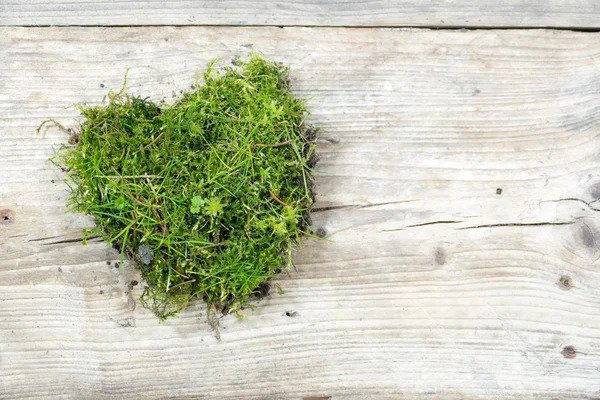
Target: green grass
(206,196)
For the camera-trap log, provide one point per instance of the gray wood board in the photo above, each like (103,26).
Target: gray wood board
(429,13)
(436,284)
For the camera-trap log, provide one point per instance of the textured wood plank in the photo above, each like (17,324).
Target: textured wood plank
(436,285)
(428,13)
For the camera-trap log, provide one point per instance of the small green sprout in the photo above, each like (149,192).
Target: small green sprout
(197,203)
(213,207)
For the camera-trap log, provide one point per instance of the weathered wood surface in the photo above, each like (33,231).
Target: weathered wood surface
(433,287)
(421,13)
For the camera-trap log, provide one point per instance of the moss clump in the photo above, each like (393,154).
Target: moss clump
(207,195)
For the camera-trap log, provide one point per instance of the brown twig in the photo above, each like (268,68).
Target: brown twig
(181,284)
(152,207)
(136,199)
(127,176)
(149,144)
(179,273)
(273,145)
(277,199)
(161,222)
(210,245)
(99,123)
(133,226)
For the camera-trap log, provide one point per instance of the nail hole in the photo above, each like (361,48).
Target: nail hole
(499,191)
(6,217)
(569,352)
(321,232)
(291,314)
(564,282)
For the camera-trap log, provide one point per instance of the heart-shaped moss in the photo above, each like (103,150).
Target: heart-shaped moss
(207,195)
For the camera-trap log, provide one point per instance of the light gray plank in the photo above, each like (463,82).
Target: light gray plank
(400,13)
(433,287)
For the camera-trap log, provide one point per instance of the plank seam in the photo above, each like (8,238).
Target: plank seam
(432,27)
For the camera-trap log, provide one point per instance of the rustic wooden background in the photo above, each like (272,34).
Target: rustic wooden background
(459,185)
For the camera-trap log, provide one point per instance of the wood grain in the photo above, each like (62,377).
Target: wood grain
(435,284)
(580,14)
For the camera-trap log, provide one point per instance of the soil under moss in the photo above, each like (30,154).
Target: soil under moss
(207,196)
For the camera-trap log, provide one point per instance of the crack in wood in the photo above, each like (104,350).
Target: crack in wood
(329,208)
(329,140)
(517,224)
(43,238)
(70,240)
(588,204)
(423,224)
(435,223)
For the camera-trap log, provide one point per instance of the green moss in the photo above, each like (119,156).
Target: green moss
(207,195)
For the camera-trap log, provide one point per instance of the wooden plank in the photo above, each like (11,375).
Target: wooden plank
(459,185)
(583,14)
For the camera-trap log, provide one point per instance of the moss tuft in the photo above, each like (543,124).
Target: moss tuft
(207,196)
